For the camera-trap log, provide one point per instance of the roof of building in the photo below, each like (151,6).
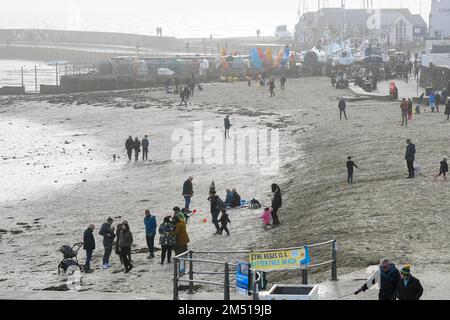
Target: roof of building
(333,16)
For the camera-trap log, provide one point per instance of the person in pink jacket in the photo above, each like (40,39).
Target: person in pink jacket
(266,216)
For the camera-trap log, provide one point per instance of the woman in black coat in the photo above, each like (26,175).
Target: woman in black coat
(277,203)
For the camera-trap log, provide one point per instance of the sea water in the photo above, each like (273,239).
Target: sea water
(11,74)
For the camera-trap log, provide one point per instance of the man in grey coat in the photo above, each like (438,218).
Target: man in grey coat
(410,157)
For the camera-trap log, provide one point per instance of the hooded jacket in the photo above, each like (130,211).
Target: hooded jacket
(181,235)
(126,239)
(108,234)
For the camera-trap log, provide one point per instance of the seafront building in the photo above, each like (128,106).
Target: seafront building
(391,27)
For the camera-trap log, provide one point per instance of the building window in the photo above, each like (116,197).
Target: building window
(400,29)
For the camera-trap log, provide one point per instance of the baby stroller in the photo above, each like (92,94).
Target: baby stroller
(70,262)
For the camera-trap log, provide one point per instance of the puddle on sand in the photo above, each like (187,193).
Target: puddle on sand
(36,157)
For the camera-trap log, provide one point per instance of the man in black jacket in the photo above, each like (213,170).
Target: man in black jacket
(145,145)
(215,210)
(387,277)
(108,238)
(227,125)
(188,192)
(342,106)
(89,246)
(129,145)
(277,203)
(137,148)
(409,288)
(410,157)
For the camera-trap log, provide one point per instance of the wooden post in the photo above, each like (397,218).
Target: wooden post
(305,276)
(191,273)
(56,73)
(175,279)
(254,287)
(22,76)
(226,289)
(35,79)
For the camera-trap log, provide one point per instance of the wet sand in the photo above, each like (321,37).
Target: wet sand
(382,214)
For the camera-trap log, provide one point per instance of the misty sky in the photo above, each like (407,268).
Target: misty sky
(177,17)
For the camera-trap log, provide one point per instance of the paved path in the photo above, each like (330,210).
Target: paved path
(435,282)
(405,90)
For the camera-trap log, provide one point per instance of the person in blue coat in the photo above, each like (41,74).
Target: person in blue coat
(387,277)
(229,198)
(145,144)
(150,232)
(89,246)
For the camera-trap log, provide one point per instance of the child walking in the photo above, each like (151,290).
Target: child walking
(443,170)
(224,221)
(265,216)
(350,166)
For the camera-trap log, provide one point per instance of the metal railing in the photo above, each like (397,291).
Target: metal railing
(188,258)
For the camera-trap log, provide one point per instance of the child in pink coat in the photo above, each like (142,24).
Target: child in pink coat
(266,216)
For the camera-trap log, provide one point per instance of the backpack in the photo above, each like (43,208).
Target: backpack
(255,204)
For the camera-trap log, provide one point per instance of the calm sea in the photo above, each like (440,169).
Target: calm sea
(11,74)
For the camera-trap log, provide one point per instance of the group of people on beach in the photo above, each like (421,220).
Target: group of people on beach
(173,235)
(434,100)
(271,83)
(135,145)
(410,157)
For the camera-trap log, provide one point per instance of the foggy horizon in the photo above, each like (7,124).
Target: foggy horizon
(199,19)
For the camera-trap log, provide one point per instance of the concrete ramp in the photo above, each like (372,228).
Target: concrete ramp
(436,285)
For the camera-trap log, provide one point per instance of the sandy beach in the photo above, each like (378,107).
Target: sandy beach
(63,177)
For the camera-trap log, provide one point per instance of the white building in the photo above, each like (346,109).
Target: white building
(440,19)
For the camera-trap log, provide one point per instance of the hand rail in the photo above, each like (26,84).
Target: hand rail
(189,256)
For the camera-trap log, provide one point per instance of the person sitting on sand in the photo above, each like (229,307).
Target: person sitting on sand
(229,198)
(443,169)
(236,202)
